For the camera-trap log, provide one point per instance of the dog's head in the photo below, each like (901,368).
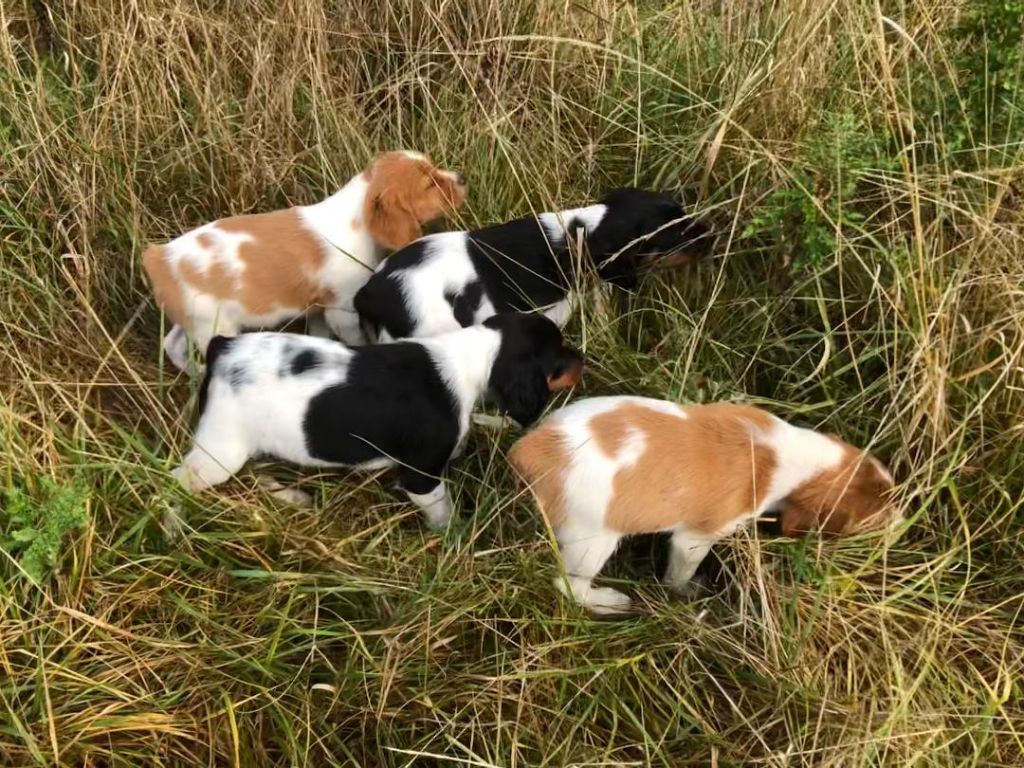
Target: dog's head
(533,361)
(853,496)
(644,229)
(405,192)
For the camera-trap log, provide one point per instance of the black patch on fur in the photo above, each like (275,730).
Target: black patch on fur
(218,346)
(304,361)
(520,268)
(395,403)
(531,351)
(392,403)
(381,303)
(465,304)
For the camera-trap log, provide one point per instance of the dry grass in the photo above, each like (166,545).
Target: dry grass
(348,635)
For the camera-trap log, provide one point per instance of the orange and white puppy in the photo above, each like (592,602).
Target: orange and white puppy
(260,270)
(607,467)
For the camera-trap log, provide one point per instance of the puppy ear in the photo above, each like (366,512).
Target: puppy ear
(522,392)
(388,217)
(797,521)
(609,239)
(833,522)
(696,245)
(566,372)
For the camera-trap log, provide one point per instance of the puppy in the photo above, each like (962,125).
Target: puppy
(261,270)
(456,279)
(320,403)
(607,467)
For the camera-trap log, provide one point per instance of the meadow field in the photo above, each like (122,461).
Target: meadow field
(860,162)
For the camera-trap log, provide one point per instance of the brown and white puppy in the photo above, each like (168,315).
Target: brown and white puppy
(260,270)
(607,467)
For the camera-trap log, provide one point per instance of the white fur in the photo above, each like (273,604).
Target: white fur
(560,312)
(586,542)
(351,257)
(555,222)
(293,496)
(176,347)
(465,358)
(445,268)
(263,413)
(435,505)
(799,455)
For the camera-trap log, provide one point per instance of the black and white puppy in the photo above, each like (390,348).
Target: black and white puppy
(321,403)
(456,279)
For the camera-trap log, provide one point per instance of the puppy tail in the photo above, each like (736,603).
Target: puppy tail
(216,347)
(165,284)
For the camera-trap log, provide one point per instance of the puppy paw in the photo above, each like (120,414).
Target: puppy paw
(184,477)
(598,600)
(294,497)
(606,601)
(488,421)
(281,492)
(438,521)
(689,590)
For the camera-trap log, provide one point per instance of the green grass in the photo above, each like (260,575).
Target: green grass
(861,163)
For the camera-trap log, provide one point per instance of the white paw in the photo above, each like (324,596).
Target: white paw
(599,600)
(176,348)
(178,361)
(183,476)
(691,588)
(488,421)
(281,492)
(438,521)
(605,600)
(294,497)
(435,506)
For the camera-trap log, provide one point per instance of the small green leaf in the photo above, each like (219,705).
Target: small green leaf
(24,536)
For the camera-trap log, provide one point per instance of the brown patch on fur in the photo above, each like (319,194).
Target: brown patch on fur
(405,193)
(216,279)
(541,460)
(165,287)
(356,224)
(853,496)
(796,521)
(569,379)
(282,259)
(703,471)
